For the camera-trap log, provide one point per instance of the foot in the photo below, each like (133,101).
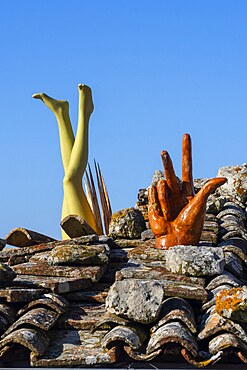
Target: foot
(86,100)
(56,106)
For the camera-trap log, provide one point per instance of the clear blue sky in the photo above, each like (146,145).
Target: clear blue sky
(157,68)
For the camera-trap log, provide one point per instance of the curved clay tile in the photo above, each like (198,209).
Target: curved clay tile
(138,356)
(21,237)
(225,278)
(42,302)
(216,323)
(224,341)
(35,340)
(177,309)
(132,336)
(173,332)
(38,317)
(201,363)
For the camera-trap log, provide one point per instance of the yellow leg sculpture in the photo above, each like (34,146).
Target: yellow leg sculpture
(74,152)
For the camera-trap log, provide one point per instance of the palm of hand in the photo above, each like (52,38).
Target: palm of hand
(176,214)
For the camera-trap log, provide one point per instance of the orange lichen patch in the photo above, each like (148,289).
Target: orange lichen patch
(228,300)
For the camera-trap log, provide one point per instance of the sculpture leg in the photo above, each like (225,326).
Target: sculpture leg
(73,191)
(60,108)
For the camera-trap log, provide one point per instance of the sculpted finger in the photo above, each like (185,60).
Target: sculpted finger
(162,191)
(194,212)
(171,178)
(187,177)
(153,201)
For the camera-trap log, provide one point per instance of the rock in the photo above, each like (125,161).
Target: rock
(137,300)
(147,234)
(236,186)
(127,223)
(6,274)
(195,261)
(80,255)
(232,304)
(158,175)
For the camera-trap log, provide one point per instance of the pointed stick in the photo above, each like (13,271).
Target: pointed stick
(102,199)
(92,198)
(108,203)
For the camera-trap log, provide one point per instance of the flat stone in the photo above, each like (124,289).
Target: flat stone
(147,234)
(232,304)
(127,223)
(80,255)
(236,186)
(97,293)
(21,237)
(145,252)
(132,243)
(156,273)
(81,316)
(19,294)
(75,348)
(195,261)
(137,300)
(93,273)
(75,226)
(58,285)
(30,250)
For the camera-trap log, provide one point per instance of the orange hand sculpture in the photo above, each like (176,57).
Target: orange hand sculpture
(176,214)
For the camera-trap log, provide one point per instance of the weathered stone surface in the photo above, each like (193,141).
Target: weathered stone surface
(127,223)
(156,273)
(44,301)
(195,261)
(19,294)
(224,341)
(58,285)
(109,275)
(232,304)
(147,234)
(145,252)
(225,278)
(173,332)
(80,255)
(237,246)
(75,348)
(93,273)
(97,293)
(35,340)
(75,226)
(21,237)
(6,274)
(206,361)
(110,320)
(132,336)
(216,323)
(38,317)
(16,252)
(236,186)
(137,300)
(176,309)
(8,312)
(132,243)
(81,316)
